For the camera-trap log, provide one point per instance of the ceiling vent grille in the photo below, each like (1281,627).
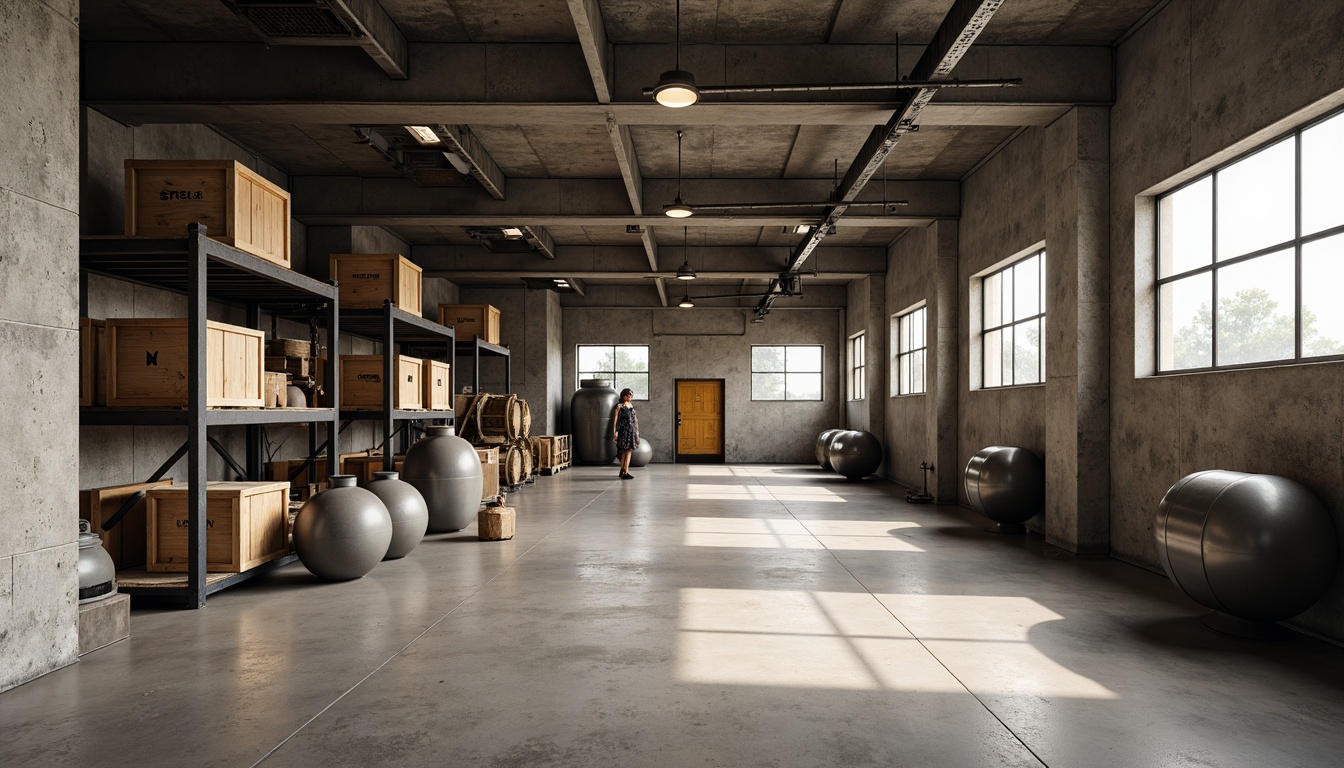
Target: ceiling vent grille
(295,20)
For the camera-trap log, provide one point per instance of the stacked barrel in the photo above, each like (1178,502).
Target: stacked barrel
(503,422)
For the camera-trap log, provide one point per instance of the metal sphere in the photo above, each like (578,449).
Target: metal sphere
(855,454)
(446,471)
(406,507)
(642,455)
(1258,547)
(343,532)
(823,447)
(1005,484)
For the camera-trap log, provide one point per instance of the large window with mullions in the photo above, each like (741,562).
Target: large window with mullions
(1250,257)
(1012,311)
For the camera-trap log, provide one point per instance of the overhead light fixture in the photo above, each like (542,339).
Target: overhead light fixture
(685,271)
(678,209)
(686,302)
(513,233)
(424,134)
(802,229)
(676,87)
(559,280)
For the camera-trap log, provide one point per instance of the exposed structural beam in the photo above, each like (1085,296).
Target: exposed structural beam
(624,146)
(540,240)
(593,39)
(361,23)
(962,25)
(577,285)
(479,164)
(661,284)
(626,277)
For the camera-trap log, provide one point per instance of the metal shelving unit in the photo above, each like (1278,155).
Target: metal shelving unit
(399,330)
(205,269)
(474,349)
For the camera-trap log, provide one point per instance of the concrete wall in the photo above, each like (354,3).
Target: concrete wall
(39,337)
(865,311)
(716,344)
(1198,84)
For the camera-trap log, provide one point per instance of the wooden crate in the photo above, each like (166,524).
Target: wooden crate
(298,367)
(92,362)
(280,469)
(245,526)
(551,451)
(126,541)
(289,348)
(237,206)
(489,472)
(363,467)
(362,383)
(438,385)
(495,523)
(148,365)
(368,279)
(471,320)
(276,392)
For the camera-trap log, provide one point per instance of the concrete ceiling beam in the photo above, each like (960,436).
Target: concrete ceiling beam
(593,40)
(484,170)
(612,261)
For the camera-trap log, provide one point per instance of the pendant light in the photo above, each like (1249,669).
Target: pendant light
(686,302)
(676,87)
(685,271)
(678,209)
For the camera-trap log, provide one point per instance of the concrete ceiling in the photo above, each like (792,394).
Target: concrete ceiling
(549,90)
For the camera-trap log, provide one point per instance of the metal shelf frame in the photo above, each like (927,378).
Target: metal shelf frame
(473,349)
(206,269)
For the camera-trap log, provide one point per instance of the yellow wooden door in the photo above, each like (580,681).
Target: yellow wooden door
(700,408)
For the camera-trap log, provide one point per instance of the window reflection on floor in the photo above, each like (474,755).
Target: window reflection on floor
(788,533)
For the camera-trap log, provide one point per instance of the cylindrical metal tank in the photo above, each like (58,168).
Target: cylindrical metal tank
(590,412)
(97,572)
(1258,547)
(823,449)
(1005,484)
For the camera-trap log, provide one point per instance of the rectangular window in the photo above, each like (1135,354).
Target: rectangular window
(911,347)
(856,365)
(623,366)
(1250,257)
(790,372)
(1013,324)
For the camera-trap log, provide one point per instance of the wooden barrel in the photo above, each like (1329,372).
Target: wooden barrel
(529,462)
(500,416)
(527,418)
(511,469)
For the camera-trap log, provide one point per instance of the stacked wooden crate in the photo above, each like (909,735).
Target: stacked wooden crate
(291,361)
(551,453)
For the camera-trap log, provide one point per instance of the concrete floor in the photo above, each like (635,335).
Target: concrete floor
(697,615)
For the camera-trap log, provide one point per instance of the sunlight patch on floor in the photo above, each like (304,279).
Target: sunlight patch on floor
(707,492)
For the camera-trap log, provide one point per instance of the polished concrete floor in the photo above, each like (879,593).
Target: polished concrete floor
(695,616)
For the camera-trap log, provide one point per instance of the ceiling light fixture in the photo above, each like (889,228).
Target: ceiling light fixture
(676,87)
(802,229)
(685,271)
(678,209)
(424,134)
(512,232)
(686,302)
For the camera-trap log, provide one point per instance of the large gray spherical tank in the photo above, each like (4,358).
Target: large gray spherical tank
(590,412)
(1259,547)
(824,447)
(343,532)
(406,507)
(1006,484)
(97,572)
(855,454)
(446,471)
(642,455)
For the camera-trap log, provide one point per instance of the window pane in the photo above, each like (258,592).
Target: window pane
(1007,282)
(1041,289)
(1323,175)
(993,293)
(1255,310)
(903,386)
(918,329)
(639,382)
(1257,201)
(1185,221)
(1187,323)
(992,357)
(804,359)
(1027,282)
(917,372)
(1006,363)
(632,358)
(767,359)
(804,386)
(1026,356)
(767,386)
(595,358)
(1322,311)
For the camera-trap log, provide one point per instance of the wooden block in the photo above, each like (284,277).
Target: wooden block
(368,279)
(489,472)
(92,362)
(470,320)
(289,348)
(438,385)
(362,383)
(495,523)
(245,526)
(277,390)
(238,206)
(148,365)
(126,541)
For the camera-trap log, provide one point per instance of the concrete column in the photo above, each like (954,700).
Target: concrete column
(943,378)
(1077,335)
(39,337)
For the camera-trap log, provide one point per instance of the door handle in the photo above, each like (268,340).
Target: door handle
(678,418)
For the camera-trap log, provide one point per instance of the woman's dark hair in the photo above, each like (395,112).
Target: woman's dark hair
(627,391)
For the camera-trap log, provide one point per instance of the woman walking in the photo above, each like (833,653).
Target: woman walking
(625,431)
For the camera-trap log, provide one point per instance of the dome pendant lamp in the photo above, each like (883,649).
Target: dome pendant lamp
(676,87)
(678,209)
(685,271)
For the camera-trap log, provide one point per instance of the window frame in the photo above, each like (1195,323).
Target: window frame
(858,379)
(1040,252)
(1214,266)
(821,372)
(900,319)
(579,373)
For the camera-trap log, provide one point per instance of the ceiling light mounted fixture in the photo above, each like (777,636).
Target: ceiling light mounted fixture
(686,302)
(685,271)
(678,209)
(512,233)
(676,87)
(424,134)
